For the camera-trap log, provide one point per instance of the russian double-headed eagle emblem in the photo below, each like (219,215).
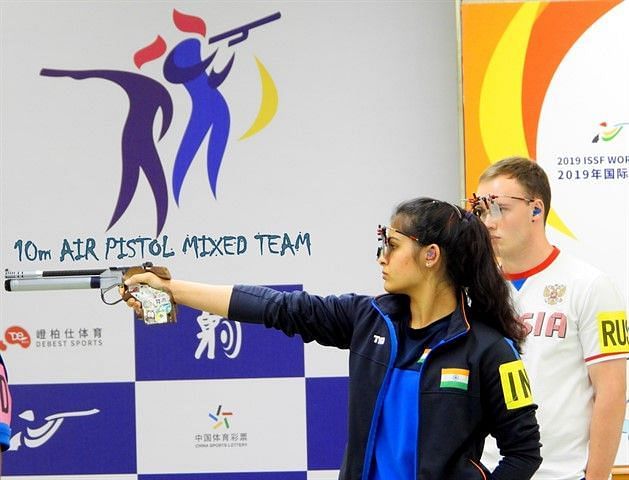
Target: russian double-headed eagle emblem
(553,294)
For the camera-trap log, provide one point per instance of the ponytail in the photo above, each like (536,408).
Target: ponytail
(476,270)
(469,257)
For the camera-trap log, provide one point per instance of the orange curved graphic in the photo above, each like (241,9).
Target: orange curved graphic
(481,29)
(510,52)
(500,111)
(547,48)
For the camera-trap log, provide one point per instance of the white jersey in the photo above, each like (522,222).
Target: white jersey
(575,319)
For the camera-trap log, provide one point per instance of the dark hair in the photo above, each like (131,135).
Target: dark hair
(470,262)
(527,173)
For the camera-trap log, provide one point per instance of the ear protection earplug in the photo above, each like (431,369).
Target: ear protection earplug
(430,255)
(536,211)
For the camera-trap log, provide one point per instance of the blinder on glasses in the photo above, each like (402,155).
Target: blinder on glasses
(486,205)
(384,233)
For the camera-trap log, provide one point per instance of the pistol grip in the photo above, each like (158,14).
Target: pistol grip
(157,306)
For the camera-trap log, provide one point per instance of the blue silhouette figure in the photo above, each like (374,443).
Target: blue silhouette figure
(210,112)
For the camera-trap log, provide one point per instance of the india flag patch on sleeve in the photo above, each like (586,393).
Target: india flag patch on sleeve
(454,378)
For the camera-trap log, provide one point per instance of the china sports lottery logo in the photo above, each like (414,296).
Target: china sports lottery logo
(221,418)
(184,66)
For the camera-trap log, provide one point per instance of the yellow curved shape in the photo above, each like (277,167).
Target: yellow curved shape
(268,102)
(500,109)
(557,223)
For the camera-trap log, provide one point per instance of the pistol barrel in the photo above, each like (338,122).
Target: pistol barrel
(51,283)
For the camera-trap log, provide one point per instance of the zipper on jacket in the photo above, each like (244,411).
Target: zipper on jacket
(368,456)
(392,356)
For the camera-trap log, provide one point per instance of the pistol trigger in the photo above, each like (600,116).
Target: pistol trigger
(103,291)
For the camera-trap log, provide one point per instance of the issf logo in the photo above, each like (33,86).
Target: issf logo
(608,132)
(208,128)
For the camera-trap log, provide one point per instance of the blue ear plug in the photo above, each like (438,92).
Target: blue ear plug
(537,211)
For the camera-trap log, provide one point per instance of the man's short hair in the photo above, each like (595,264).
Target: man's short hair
(527,173)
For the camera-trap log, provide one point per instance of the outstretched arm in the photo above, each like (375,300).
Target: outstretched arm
(208,298)
(328,320)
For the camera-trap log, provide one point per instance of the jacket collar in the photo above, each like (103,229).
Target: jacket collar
(396,306)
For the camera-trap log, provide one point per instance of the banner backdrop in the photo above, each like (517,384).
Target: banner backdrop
(548,80)
(233,142)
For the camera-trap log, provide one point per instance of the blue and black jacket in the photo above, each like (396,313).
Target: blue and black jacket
(452,422)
